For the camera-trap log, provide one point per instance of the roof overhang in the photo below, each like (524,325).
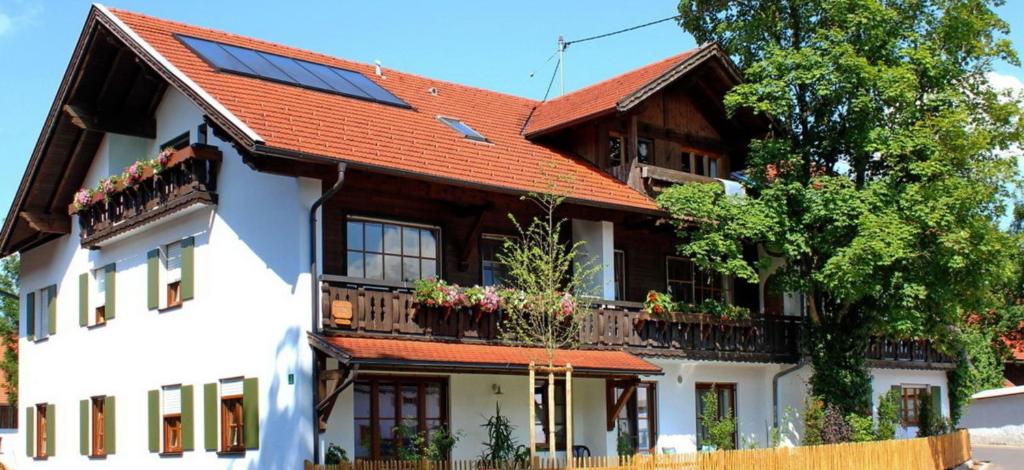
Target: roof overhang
(419,355)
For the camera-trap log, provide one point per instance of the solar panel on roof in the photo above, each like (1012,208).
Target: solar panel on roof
(277,68)
(462,128)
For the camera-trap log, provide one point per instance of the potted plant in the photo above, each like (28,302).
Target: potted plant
(657,306)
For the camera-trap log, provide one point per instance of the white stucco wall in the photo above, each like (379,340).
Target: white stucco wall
(248,318)
(996,420)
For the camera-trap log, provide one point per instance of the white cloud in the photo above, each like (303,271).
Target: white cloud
(1005,82)
(5,24)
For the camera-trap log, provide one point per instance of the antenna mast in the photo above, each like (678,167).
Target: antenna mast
(561,63)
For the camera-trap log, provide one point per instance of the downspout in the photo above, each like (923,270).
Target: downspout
(775,386)
(315,296)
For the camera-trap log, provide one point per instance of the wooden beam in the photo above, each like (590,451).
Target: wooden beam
(47,223)
(136,126)
(615,408)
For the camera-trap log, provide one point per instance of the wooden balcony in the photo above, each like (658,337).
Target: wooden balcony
(352,307)
(189,180)
(907,353)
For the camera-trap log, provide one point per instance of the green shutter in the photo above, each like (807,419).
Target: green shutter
(188,440)
(30,430)
(153,279)
(30,315)
(936,396)
(111,290)
(52,310)
(51,430)
(109,425)
(251,413)
(210,416)
(154,420)
(83,427)
(188,268)
(83,299)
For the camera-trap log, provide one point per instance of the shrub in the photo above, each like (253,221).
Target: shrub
(929,421)
(862,428)
(720,430)
(335,455)
(814,421)
(835,428)
(888,415)
(624,444)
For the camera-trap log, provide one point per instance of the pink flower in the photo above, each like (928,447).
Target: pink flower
(165,156)
(108,185)
(568,305)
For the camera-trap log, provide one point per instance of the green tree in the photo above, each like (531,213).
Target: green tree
(883,177)
(10,268)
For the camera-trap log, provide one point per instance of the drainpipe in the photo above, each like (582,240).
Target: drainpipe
(315,296)
(775,386)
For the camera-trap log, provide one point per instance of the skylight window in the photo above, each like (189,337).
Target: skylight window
(462,128)
(281,69)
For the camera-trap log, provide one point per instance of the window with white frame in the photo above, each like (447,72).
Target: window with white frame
(98,296)
(171,262)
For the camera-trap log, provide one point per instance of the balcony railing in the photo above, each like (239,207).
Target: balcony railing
(189,179)
(351,306)
(907,353)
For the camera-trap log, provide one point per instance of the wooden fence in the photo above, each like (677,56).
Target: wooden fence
(940,452)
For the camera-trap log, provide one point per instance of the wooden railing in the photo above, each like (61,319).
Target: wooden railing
(189,179)
(390,309)
(926,453)
(8,417)
(907,351)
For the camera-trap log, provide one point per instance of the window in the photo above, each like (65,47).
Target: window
(726,394)
(703,165)
(492,271)
(542,404)
(391,251)
(231,416)
(382,404)
(177,142)
(645,150)
(99,296)
(614,150)
(42,311)
(686,163)
(462,128)
(688,283)
(171,412)
(911,401)
(98,427)
(638,419)
(172,273)
(619,266)
(41,430)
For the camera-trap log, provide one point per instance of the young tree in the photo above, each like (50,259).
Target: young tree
(10,268)
(882,180)
(548,277)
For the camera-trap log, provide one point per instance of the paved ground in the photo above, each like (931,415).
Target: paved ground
(1002,457)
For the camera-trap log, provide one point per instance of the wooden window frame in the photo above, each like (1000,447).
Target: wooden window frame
(41,436)
(698,290)
(612,161)
(718,386)
(906,399)
(438,248)
(541,383)
(374,381)
(172,422)
(631,412)
(620,273)
(97,427)
(486,264)
(172,288)
(232,404)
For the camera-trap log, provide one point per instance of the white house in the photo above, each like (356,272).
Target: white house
(996,417)
(241,295)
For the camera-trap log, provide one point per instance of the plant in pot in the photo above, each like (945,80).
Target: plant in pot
(335,455)
(657,306)
(501,450)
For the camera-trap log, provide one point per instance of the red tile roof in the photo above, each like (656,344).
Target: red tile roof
(599,98)
(394,139)
(425,354)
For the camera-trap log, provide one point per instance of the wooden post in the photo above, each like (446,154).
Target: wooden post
(552,443)
(568,416)
(533,415)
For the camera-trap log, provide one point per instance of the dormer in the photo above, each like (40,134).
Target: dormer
(661,124)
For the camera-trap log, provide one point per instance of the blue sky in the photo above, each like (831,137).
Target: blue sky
(494,45)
